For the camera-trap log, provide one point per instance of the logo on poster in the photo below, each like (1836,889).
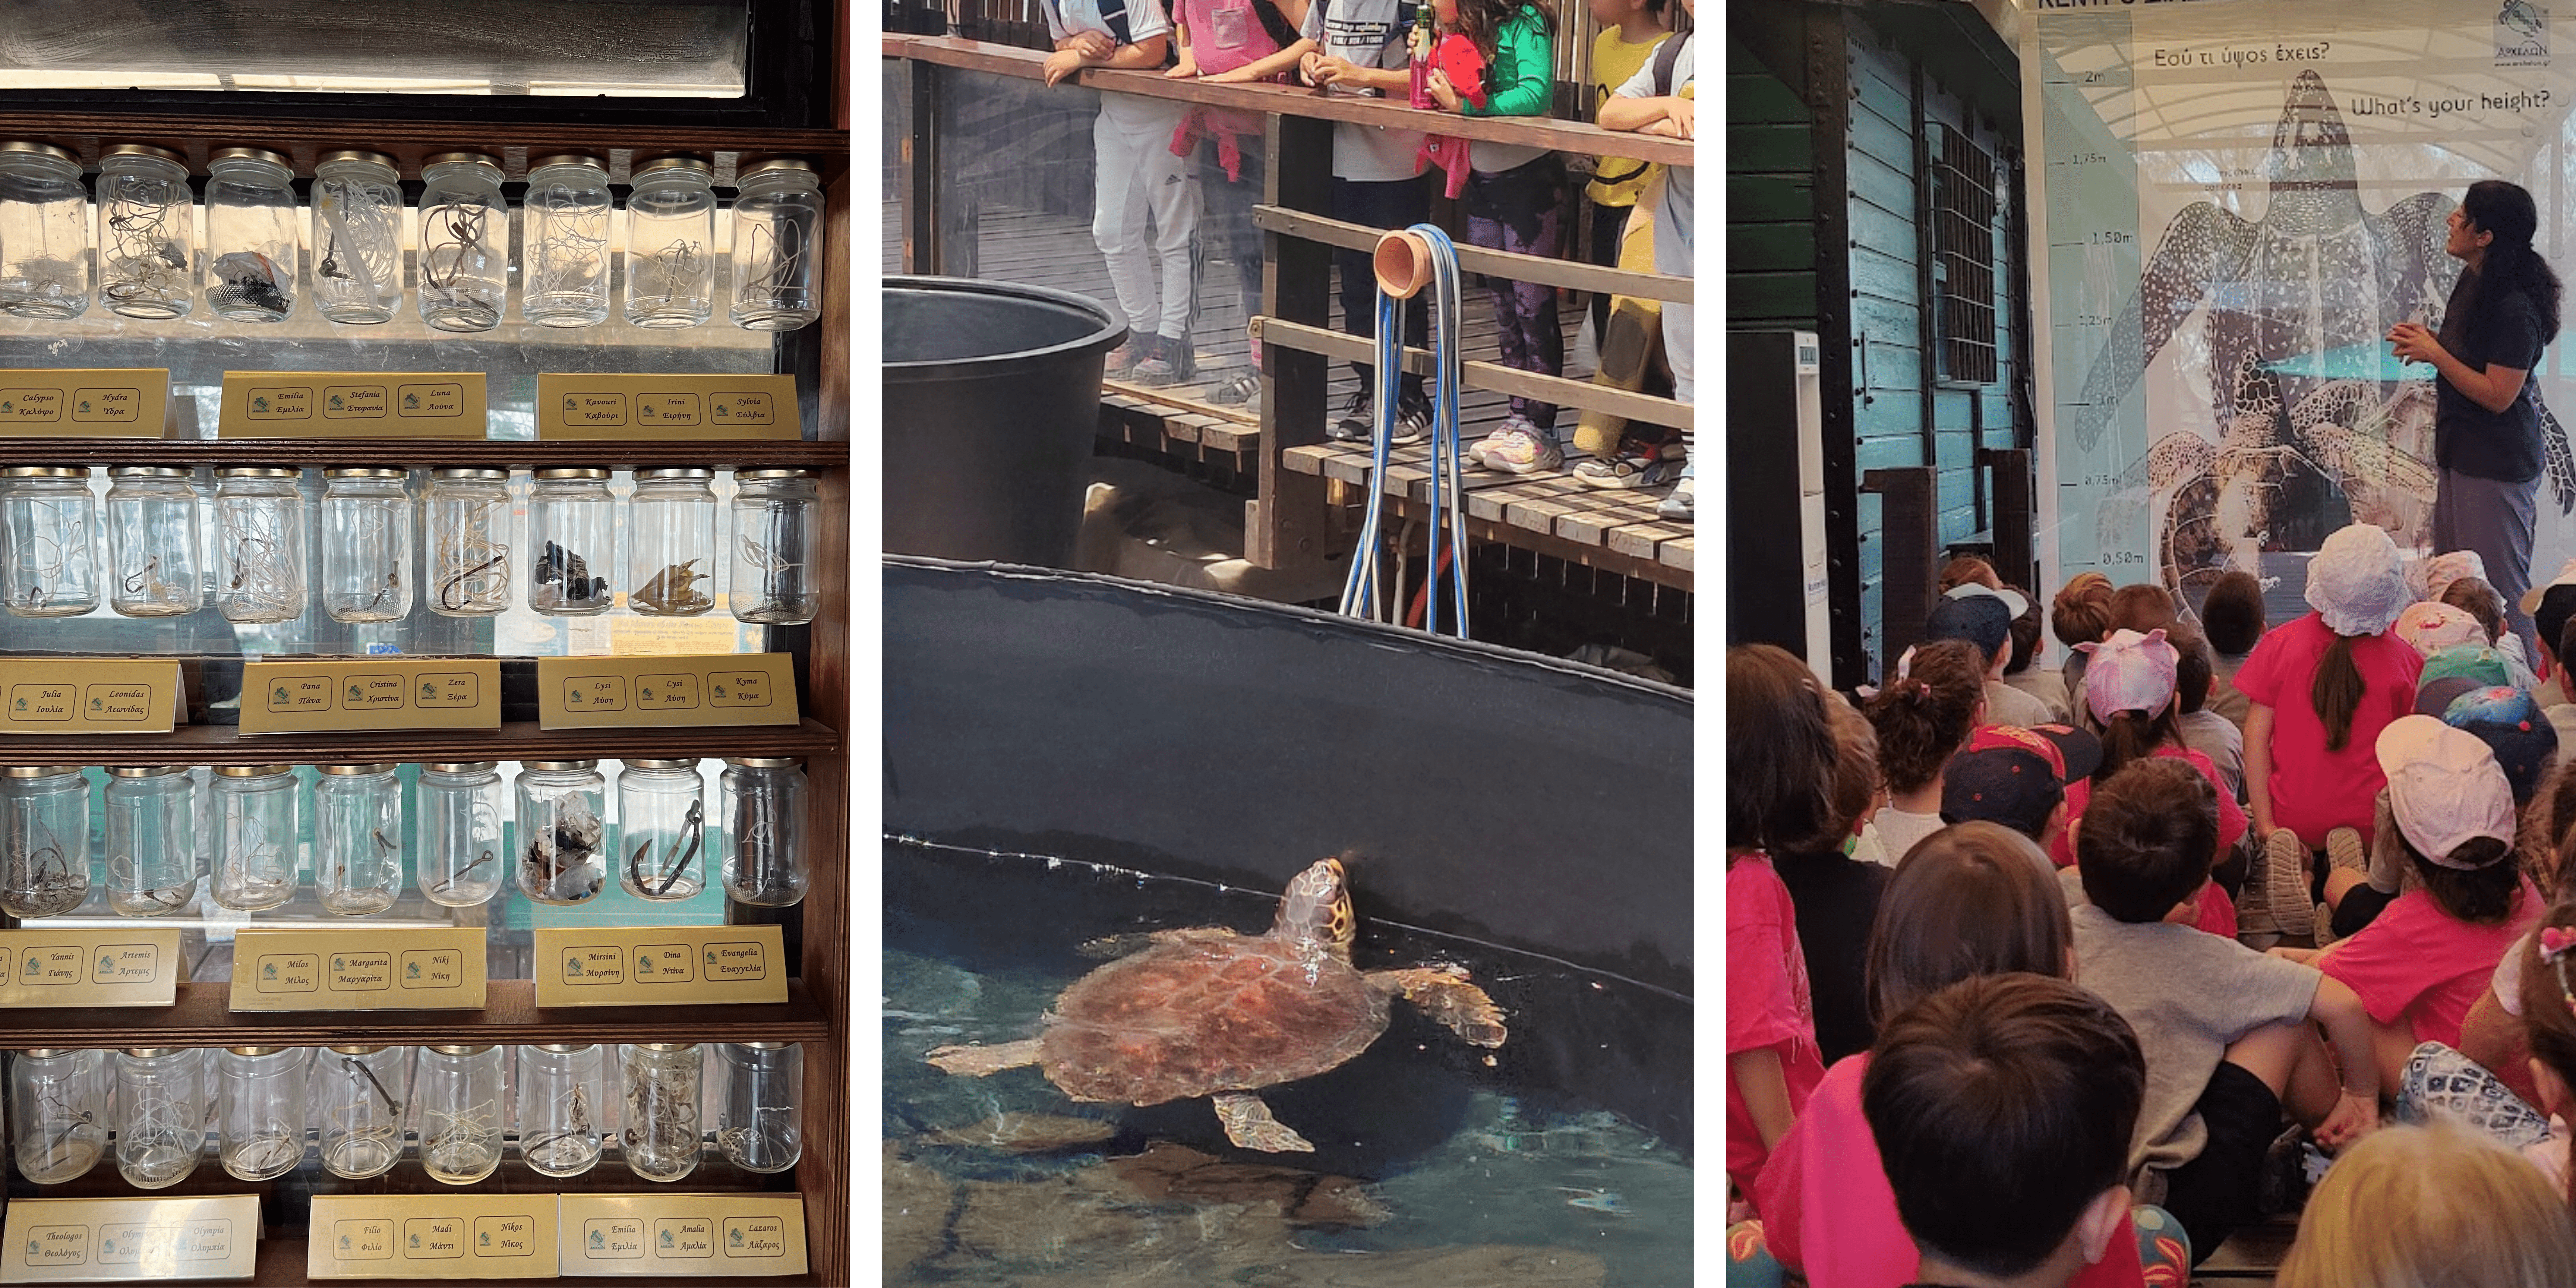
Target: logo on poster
(2521,35)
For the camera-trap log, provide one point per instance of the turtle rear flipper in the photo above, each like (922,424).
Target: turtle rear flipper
(1444,994)
(1248,1124)
(981,1061)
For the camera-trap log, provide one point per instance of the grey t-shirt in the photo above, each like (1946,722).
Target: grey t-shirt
(2215,736)
(2188,994)
(1364,31)
(2008,704)
(1900,829)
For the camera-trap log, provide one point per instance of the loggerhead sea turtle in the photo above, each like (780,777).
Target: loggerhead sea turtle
(1206,1011)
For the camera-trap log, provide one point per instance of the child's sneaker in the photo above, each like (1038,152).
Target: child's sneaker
(1123,358)
(1166,362)
(2287,883)
(1356,423)
(1681,506)
(1412,424)
(1242,389)
(1636,465)
(1523,449)
(2343,850)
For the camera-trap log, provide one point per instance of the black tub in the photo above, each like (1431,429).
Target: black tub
(992,397)
(1534,814)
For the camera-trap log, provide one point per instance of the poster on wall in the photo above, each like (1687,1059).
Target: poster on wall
(2232,202)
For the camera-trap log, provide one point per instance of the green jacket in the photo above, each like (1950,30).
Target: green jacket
(1522,79)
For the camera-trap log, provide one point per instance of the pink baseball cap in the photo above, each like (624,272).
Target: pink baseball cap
(2130,672)
(2432,627)
(2443,569)
(2444,786)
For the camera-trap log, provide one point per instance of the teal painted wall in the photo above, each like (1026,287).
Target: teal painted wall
(1770,199)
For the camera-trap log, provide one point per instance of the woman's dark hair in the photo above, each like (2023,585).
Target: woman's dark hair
(2025,634)
(1923,716)
(2233,612)
(2142,607)
(1779,755)
(2337,692)
(2472,595)
(1971,899)
(2081,613)
(1481,21)
(2481,895)
(2512,263)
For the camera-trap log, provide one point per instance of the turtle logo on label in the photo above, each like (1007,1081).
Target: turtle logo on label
(2521,35)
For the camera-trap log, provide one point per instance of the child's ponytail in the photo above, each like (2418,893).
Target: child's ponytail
(2132,736)
(2337,692)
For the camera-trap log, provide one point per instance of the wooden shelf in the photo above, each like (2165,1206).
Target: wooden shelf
(517,740)
(510,1015)
(304,137)
(424,453)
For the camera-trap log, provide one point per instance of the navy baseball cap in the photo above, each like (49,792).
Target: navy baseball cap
(1982,620)
(2014,786)
(2510,722)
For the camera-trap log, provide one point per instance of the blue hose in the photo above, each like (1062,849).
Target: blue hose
(1363,594)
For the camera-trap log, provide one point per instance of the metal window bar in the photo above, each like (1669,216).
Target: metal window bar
(1964,209)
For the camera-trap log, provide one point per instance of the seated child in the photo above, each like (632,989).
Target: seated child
(2474,596)
(2438,1205)
(2081,614)
(1984,617)
(1923,717)
(2232,614)
(2129,683)
(1836,895)
(1777,737)
(2045,683)
(2017,777)
(2203,730)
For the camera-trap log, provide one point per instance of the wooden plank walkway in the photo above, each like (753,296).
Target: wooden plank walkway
(1551,513)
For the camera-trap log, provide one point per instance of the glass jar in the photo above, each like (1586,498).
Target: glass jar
(671,543)
(561,836)
(44,871)
(777,246)
(777,524)
(468,516)
(357,839)
(464,242)
(259,543)
(366,545)
(357,237)
(45,267)
(251,236)
(660,1126)
(670,243)
(460,1107)
(256,819)
(461,808)
(662,829)
(358,1095)
(259,1110)
(565,265)
(58,1103)
(48,568)
(152,862)
(572,523)
(152,541)
(760,1106)
(561,1091)
(764,863)
(160,1115)
(147,233)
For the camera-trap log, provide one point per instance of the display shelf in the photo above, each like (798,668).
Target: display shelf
(426,453)
(510,1015)
(517,740)
(304,139)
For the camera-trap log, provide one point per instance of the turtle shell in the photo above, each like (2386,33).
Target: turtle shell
(1194,1018)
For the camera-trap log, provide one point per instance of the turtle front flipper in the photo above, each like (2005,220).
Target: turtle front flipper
(1248,1123)
(981,1061)
(1444,994)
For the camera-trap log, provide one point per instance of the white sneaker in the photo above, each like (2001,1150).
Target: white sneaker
(1682,505)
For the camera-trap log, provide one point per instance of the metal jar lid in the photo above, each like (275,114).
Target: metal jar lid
(29,147)
(460,158)
(152,1053)
(150,472)
(142,150)
(255,1050)
(469,472)
(352,771)
(256,472)
(252,771)
(663,1047)
(47,472)
(357,155)
(145,771)
(755,476)
(774,165)
(262,155)
(667,474)
(675,163)
(565,1048)
(762,1046)
(632,762)
(462,1050)
(355,1050)
(38,771)
(568,158)
(764,762)
(461,766)
(558,766)
(51,1053)
(581,472)
(364,472)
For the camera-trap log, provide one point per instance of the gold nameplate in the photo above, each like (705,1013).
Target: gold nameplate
(316,695)
(382,969)
(105,967)
(190,1240)
(432,1236)
(117,402)
(668,689)
(659,965)
(682,1236)
(609,406)
(352,404)
(90,695)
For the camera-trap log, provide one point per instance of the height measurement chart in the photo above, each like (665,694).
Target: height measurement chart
(2234,201)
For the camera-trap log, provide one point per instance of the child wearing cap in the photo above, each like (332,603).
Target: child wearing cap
(1922,718)
(1984,617)
(2321,688)
(2233,615)
(2017,777)
(1836,895)
(1782,755)
(2230,1035)
(2129,681)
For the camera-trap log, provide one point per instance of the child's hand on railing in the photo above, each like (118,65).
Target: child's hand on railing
(1062,64)
(1676,123)
(1186,69)
(1323,69)
(1441,91)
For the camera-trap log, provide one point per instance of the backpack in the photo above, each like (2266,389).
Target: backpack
(1668,55)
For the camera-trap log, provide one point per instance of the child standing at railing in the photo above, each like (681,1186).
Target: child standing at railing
(1661,99)
(1630,30)
(1377,182)
(1235,41)
(1513,193)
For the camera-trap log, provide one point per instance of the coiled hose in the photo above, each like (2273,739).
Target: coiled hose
(1406,260)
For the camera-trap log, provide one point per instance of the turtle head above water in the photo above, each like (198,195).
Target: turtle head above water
(1317,907)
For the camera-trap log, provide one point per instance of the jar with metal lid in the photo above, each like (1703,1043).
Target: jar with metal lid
(671,543)
(462,808)
(777,245)
(256,817)
(359,1094)
(357,839)
(366,545)
(252,238)
(259,1110)
(562,1092)
(565,265)
(58,1101)
(44,869)
(357,237)
(46,272)
(777,525)
(160,1115)
(458,1098)
(659,1130)
(464,242)
(147,233)
(561,835)
(468,517)
(152,861)
(572,524)
(259,543)
(662,829)
(48,565)
(670,242)
(152,541)
(765,864)
(760,1106)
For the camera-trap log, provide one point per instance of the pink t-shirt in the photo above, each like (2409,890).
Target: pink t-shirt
(1766,1002)
(2417,962)
(1223,34)
(2315,791)
(1828,1212)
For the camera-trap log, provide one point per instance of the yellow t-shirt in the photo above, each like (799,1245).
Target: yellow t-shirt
(1618,180)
